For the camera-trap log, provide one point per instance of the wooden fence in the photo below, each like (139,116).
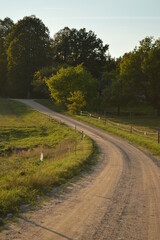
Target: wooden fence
(154,135)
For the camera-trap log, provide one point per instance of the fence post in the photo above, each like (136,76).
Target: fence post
(75,147)
(158,135)
(41,159)
(82,135)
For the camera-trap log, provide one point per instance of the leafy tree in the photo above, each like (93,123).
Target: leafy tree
(40,88)
(139,73)
(77,102)
(113,92)
(151,69)
(110,65)
(70,80)
(132,77)
(134,81)
(29,49)
(74,47)
(3,67)
(5,28)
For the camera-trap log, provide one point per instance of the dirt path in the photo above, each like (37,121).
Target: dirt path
(119,200)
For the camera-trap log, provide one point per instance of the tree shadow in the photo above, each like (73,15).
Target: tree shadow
(13,108)
(107,198)
(47,229)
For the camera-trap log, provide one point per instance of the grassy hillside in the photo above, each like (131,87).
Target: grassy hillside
(23,134)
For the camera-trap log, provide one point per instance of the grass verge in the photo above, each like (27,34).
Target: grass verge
(144,123)
(23,134)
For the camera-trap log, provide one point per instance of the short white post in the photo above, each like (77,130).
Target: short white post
(41,159)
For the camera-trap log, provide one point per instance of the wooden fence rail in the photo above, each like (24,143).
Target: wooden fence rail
(124,127)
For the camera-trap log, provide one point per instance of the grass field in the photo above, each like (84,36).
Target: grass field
(23,134)
(146,121)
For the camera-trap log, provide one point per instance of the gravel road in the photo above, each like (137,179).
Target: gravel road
(118,200)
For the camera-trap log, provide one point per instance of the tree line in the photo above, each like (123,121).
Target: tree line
(75,68)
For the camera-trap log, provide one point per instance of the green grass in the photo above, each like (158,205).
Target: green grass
(52,105)
(23,134)
(145,122)
(148,144)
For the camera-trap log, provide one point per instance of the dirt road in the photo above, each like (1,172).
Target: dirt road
(119,200)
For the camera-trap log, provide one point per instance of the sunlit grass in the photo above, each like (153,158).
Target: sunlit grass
(144,123)
(24,133)
(150,145)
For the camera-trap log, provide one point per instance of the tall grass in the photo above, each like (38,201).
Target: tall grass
(147,121)
(24,133)
(149,145)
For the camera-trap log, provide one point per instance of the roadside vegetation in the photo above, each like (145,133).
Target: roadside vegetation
(24,133)
(141,119)
(142,125)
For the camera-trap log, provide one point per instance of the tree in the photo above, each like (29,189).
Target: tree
(74,47)
(140,74)
(28,49)
(70,80)
(39,85)
(5,28)
(113,92)
(132,77)
(151,69)
(77,102)
(110,65)
(40,88)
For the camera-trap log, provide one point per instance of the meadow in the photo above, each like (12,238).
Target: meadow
(24,133)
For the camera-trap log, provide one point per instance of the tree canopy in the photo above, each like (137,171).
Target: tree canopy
(74,47)
(5,28)
(64,85)
(75,67)
(40,78)
(140,74)
(151,70)
(28,50)
(76,102)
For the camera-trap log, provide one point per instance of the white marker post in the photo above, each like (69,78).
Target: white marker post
(41,159)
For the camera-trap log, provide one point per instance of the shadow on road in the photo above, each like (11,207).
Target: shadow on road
(47,229)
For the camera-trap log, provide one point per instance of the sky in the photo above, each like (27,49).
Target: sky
(119,23)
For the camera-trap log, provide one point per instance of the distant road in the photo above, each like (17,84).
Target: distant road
(119,200)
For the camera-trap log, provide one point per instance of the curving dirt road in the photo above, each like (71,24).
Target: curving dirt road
(119,200)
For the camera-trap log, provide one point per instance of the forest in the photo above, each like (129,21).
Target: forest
(75,68)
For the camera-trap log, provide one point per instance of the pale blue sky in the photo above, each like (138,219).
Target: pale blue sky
(119,23)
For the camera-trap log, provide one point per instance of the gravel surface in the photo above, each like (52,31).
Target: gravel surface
(118,200)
